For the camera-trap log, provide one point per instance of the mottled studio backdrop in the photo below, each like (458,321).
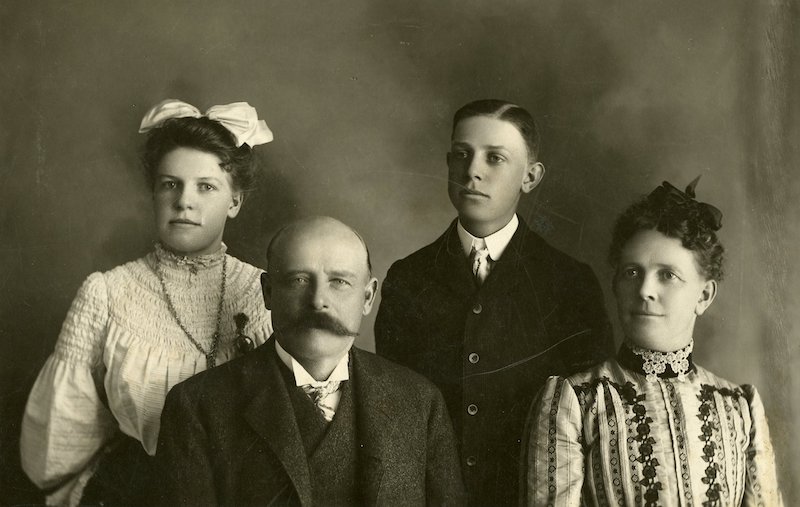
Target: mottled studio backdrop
(359,95)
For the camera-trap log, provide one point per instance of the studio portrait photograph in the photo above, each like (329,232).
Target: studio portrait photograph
(478,253)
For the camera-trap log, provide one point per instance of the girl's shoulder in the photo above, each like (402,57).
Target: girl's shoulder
(243,277)
(136,268)
(243,268)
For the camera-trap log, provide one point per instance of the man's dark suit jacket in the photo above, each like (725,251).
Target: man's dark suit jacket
(229,437)
(489,350)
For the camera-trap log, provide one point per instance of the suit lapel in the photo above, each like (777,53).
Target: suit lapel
(271,415)
(506,272)
(375,425)
(452,266)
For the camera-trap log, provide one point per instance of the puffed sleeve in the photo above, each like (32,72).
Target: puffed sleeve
(552,453)
(761,484)
(65,422)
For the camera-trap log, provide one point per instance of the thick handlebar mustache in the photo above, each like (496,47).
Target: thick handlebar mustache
(318,320)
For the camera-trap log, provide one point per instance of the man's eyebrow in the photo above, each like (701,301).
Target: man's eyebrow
(455,142)
(290,272)
(342,273)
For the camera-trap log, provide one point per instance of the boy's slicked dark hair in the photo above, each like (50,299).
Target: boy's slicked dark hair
(507,111)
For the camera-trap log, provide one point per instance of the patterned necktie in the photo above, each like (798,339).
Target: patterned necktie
(480,264)
(318,395)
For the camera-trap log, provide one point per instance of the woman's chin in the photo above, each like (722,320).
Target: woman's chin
(656,342)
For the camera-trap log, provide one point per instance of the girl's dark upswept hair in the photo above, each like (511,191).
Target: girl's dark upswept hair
(677,215)
(506,111)
(205,135)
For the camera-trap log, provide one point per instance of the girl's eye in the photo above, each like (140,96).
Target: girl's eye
(206,187)
(630,273)
(169,185)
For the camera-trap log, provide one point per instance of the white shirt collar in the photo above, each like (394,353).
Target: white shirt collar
(496,242)
(302,377)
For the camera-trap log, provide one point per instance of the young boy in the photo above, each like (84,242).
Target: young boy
(489,310)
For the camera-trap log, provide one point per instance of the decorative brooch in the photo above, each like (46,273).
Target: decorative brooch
(244,343)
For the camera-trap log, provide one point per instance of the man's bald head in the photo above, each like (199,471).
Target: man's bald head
(311,224)
(318,287)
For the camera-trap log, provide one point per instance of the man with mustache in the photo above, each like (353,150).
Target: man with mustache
(307,419)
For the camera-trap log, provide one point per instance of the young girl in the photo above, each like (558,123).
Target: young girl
(651,427)
(132,333)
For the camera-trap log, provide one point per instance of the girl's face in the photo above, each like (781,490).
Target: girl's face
(193,197)
(489,169)
(660,291)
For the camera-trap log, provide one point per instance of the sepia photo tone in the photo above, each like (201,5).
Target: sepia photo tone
(360,97)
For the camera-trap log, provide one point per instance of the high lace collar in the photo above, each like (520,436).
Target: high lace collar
(654,364)
(193,264)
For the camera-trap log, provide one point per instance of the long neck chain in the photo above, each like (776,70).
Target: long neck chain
(211,354)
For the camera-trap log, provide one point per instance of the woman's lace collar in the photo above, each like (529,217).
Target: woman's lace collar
(654,364)
(193,264)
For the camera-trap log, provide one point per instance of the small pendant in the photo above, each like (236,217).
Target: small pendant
(210,361)
(244,344)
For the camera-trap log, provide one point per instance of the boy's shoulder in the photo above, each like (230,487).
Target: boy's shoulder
(525,243)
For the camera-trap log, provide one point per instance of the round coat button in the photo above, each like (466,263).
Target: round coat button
(474,358)
(472,461)
(477,308)
(472,409)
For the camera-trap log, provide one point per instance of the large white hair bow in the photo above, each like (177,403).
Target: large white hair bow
(239,117)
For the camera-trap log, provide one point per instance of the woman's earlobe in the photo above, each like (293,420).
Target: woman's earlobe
(706,297)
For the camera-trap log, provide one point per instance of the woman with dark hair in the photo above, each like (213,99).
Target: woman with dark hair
(92,419)
(651,427)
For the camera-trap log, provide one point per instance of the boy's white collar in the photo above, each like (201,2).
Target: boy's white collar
(496,242)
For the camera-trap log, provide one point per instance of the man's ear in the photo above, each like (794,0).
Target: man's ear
(706,297)
(370,291)
(236,204)
(532,177)
(266,290)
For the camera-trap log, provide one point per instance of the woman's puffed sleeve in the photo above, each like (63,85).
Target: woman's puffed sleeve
(552,453)
(761,484)
(65,421)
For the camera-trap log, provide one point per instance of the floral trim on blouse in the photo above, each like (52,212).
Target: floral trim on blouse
(709,427)
(641,421)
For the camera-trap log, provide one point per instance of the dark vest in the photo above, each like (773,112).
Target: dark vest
(330,447)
